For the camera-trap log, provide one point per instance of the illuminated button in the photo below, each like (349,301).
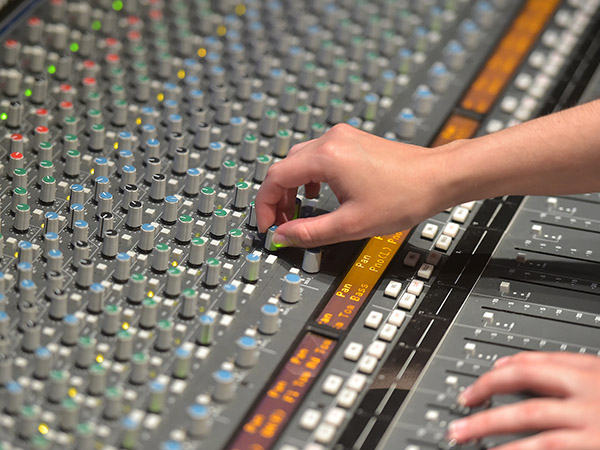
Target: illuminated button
(429,231)
(396,318)
(356,382)
(451,230)
(376,349)
(332,384)
(443,242)
(373,320)
(415,287)
(388,332)
(367,364)
(425,271)
(310,419)
(347,398)
(393,289)
(353,351)
(468,205)
(407,301)
(452,380)
(505,287)
(412,259)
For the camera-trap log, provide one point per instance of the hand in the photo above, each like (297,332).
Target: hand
(382,186)
(567,414)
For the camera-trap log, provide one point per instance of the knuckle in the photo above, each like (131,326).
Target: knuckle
(274,171)
(303,235)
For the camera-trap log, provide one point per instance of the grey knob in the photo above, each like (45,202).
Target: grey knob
(158,396)
(97,377)
(85,352)
(134,215)
(269,319)
(406,124)
(249,148)
(71,327)
(192,182)
(124,349)
(213,273)
(110,244)
(189,304)
(228,174)
(247,355)
(57,386)
(111,321)
(311,262)
(137,288)
(42,363)
(206,203)
(263,162)
(160,261)
(174,280)
(206,330)
(139,368)
(229,299)
(218,226)
(164,340)
(149,313)
(291,288)
(234,243)
(113,403)
(199,420)
(216,151)
(123,267)
(224,386)
(197,252)
(147,236)
(185,224)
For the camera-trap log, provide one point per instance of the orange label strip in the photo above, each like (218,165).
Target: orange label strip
(509,53)
(354,289)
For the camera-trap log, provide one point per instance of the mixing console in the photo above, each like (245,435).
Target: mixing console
(141,308)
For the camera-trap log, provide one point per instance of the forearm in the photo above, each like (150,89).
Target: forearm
(556,154)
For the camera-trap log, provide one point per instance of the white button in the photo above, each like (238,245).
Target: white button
(289,447)
(393,289)
(373,320)
(432,415)
(563,18)
(505,287)
(412,447)
(347,398)
(335,416)
(388,332)
(433,258)
(460,214)
(367,364)
(377,349)
(451,230)
(415,287)
(509,104)
(310,419)
(325,433)
(332,384)
(411,259)
(494,125)
(523,81)
(356,382)
(353,351)
(537,59)
(451,380)
(425,271)
(312,446)
(550,38)
(488,317)
(469,205)
(443,242)
(407,301)
(397,317)
(429,231)
(470,348)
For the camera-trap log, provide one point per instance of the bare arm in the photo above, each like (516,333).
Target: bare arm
(385,186)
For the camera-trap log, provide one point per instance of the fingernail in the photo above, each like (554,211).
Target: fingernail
(463,398)
(279,240)
(457,429)
(501,362)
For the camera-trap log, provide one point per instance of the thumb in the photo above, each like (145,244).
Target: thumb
(342,224)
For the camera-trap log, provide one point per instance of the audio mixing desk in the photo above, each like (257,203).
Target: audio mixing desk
(140,308)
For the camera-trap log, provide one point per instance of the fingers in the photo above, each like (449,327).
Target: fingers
(556,440)
(289,173)
(529,415)
(572,360)
(326,229)
(546,379)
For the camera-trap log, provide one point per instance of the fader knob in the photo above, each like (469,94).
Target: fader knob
(206,330)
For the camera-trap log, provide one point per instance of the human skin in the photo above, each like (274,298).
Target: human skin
(384,186)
